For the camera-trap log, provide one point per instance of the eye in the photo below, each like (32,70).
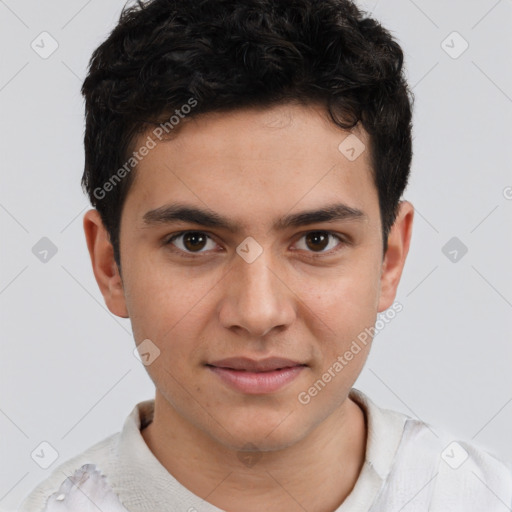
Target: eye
(196,242)
(318,241)
(191,241)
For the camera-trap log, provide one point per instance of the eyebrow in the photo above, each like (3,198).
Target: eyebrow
(186,213)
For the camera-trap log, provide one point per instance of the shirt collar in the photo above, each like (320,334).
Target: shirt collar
(385,429)
(143,484)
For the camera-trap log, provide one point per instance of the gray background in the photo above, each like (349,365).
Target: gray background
(68,374)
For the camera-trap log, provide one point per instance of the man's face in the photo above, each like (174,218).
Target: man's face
(303,292)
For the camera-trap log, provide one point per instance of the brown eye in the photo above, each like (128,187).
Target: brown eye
(194,241)
(317,240)
(322,242)
(190,241)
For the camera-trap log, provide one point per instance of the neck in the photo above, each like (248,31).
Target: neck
(317,473)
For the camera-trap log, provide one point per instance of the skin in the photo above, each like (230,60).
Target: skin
(253,167)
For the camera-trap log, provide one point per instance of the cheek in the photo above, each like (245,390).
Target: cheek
(341,309)
(161,297)
(349,293)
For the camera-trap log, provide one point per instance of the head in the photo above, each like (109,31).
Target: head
(240,110)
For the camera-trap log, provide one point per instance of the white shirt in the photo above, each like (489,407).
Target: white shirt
(407,468)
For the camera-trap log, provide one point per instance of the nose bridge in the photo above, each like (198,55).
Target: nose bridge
(259,278)
(258,300)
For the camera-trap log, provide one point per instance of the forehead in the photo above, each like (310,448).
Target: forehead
(258,161)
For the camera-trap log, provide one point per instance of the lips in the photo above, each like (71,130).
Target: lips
(251,365)
(256,377)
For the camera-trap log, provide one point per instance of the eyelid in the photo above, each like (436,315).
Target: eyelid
(342,241)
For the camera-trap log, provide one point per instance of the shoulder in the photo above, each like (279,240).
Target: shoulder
(425,468)
(101,455)
(101,468)
(453,475)
(477,478)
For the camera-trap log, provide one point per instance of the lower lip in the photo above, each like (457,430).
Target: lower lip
(257,382)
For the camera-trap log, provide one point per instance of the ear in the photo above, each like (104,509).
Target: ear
(103,264)
(398,246)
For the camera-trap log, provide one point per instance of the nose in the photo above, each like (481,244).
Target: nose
(256,297)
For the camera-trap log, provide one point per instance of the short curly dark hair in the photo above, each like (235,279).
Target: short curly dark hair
(231,54)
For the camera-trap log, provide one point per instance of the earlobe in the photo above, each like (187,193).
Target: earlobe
(398,246)
(103,263)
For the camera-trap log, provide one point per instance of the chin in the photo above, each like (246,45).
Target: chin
(262,436)
(257,444)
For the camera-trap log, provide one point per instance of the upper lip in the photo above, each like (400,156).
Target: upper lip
(261,365)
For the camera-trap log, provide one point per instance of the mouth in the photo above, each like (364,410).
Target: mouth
(251,365)
(256,377)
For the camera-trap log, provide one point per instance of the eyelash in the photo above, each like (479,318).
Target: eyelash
(313,255)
